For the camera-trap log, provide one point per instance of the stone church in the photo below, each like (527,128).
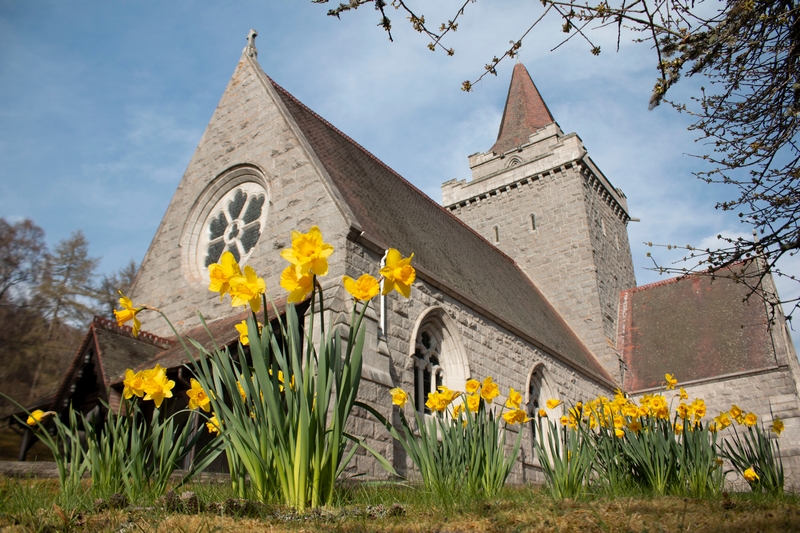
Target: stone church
(524,273)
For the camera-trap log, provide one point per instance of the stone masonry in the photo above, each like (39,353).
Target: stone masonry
(547,206)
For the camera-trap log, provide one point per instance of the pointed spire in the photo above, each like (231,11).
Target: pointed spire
(525,112)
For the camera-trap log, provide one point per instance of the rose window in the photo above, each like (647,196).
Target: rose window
(234,224)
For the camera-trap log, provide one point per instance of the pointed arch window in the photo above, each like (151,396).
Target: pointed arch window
(428,372)
(437,356)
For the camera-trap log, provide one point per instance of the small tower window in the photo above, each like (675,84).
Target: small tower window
(496,235)
(533,222)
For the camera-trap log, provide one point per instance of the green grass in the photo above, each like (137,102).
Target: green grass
(36,505)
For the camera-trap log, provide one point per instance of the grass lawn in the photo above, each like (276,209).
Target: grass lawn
(31,505)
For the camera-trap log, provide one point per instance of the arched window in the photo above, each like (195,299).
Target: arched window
(428,372)
(438,357)
(537,395)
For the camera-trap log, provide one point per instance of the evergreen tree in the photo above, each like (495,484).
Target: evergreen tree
(66,290)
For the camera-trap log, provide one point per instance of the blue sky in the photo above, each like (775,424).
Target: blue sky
(103,103)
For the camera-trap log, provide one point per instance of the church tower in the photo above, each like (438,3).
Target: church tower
(538,196)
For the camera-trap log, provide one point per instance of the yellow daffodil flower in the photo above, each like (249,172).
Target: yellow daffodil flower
(457,409)
(489,390)
(242,393)
(244,336)
(474,402)
(683,394)
(737,414)
(399,397)
(472,386)
(750,475)
(127,313)
(619,432)
(220,274)
(552,404)
(298,287)
(750,420)
(364,288)
(447,394)
(214,425)
(133,385)
(247,289)
(158,387)
(38,416)
(777,426)
(309,253)
(515,416)
(398,274)
(542,413)
(635,426)
(671,381)
(514,399)
(198,397)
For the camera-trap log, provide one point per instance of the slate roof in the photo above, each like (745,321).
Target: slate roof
(693,327)
(525,112)
(115,348)
(393,212)
(223,333)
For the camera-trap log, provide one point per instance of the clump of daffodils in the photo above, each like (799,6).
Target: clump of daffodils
(152,384)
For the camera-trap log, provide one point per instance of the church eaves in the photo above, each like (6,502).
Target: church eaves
(525,112)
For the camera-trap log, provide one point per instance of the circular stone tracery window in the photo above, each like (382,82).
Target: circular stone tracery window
(234,224)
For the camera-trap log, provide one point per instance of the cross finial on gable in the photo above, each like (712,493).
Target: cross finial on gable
(250,49)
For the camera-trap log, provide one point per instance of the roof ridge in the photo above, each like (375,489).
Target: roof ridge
(144,336)
(394,172)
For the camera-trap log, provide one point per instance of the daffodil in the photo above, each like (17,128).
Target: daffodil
(447,394)
(398,273)
(242,393)
(247,289)
(364,288)
(777,426)
(750,420)
(198,397)
(158,387)
(489,390)
(552,404)
(671,381)
(127,313)
(514,399)
(474,402)
(457,410)
(515,416)
(750,475)
(244,336)
(38,416)
(737,414)
(635,426)
(542,413)
(399,397)
(683,394)
(298,287)
(133,385)
(472,386)
(214,425)
(221,273)
(309,253)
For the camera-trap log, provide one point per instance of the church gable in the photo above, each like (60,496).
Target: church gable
(252,180)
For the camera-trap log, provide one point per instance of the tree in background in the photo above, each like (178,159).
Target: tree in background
(46,302)
(66,290)
(21,251)
(748,52)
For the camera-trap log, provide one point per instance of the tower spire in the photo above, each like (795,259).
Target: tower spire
(525,112)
